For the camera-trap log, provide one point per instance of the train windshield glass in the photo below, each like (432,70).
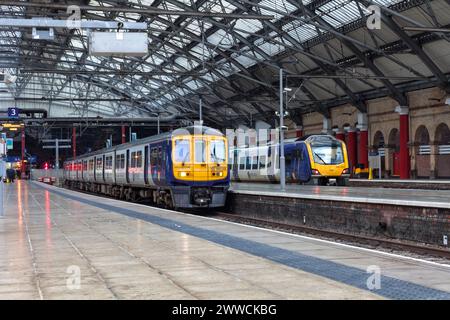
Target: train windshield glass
(182,150)
(217,151)
(200,151)
(327,153)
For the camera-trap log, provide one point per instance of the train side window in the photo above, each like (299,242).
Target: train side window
(133,160)
(160,159)
(139,159)
(119,161)
(99,163)
(262,162)
(122,161)
(255,163)
(154,156)
(242,163)
(288,160)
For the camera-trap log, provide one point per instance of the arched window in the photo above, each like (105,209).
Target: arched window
(442,138)
(378,140)
(422,139)
(394,140)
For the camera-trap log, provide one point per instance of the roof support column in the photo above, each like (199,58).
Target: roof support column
(351,149)
(124,134)
(327,125)
(403,111)
(363,154)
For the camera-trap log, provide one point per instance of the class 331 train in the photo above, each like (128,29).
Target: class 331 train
(314,159)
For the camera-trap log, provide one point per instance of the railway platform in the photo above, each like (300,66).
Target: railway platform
(416,215)
(387,196)
(61,244)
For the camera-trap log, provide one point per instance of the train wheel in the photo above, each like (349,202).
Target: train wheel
(168,201)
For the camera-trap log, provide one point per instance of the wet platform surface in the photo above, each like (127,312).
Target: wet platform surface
(60,244)
(392,196)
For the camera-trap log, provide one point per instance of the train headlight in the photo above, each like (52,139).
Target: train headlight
(345,171)
(315,172)
(183,174)
(220,174)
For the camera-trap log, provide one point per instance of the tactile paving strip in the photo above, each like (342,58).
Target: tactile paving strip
(390,287)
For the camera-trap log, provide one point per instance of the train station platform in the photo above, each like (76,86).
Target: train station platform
(428,184)
(389,196)
(61,244)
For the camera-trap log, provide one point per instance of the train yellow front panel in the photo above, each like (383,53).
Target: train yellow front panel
(192,161)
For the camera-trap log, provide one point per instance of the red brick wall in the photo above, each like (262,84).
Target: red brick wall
(443,165)
(423,165)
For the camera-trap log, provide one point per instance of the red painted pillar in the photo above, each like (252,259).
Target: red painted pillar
(74,142)
(404,139)
(351,148)
(340,135)
(299,132)
(22,162)
(124,134)
(363,144)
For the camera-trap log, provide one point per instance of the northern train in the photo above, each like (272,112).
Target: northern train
(185,168)
(313,159)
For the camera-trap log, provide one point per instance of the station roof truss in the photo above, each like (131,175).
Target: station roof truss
(210,50)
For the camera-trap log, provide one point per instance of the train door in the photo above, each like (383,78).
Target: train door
(127,166)
(289,166)
(304,163)
(200,165)
(154,164)
(146,164)
(103,168)
(163,166)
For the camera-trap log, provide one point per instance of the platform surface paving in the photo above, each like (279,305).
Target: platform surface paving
(60,244)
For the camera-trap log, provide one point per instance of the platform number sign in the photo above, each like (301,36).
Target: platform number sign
(13,112)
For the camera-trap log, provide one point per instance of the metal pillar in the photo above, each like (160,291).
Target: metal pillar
(22,162)
(159,129)
(57,154)
(351,148)
(282,159)
(200,112)
(363,151)
(404,139)
(124,135)
(74,142)
(340,135)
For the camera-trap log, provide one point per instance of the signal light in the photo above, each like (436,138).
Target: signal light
(45,166)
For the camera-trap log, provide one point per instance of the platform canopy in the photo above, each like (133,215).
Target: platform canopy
(228,53)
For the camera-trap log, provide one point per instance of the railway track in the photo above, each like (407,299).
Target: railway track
(373,242)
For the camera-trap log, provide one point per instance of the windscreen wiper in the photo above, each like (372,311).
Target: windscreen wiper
(320,158)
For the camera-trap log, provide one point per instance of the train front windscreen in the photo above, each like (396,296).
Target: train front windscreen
(328,153)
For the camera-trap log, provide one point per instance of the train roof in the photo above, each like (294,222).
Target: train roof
(201,130)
